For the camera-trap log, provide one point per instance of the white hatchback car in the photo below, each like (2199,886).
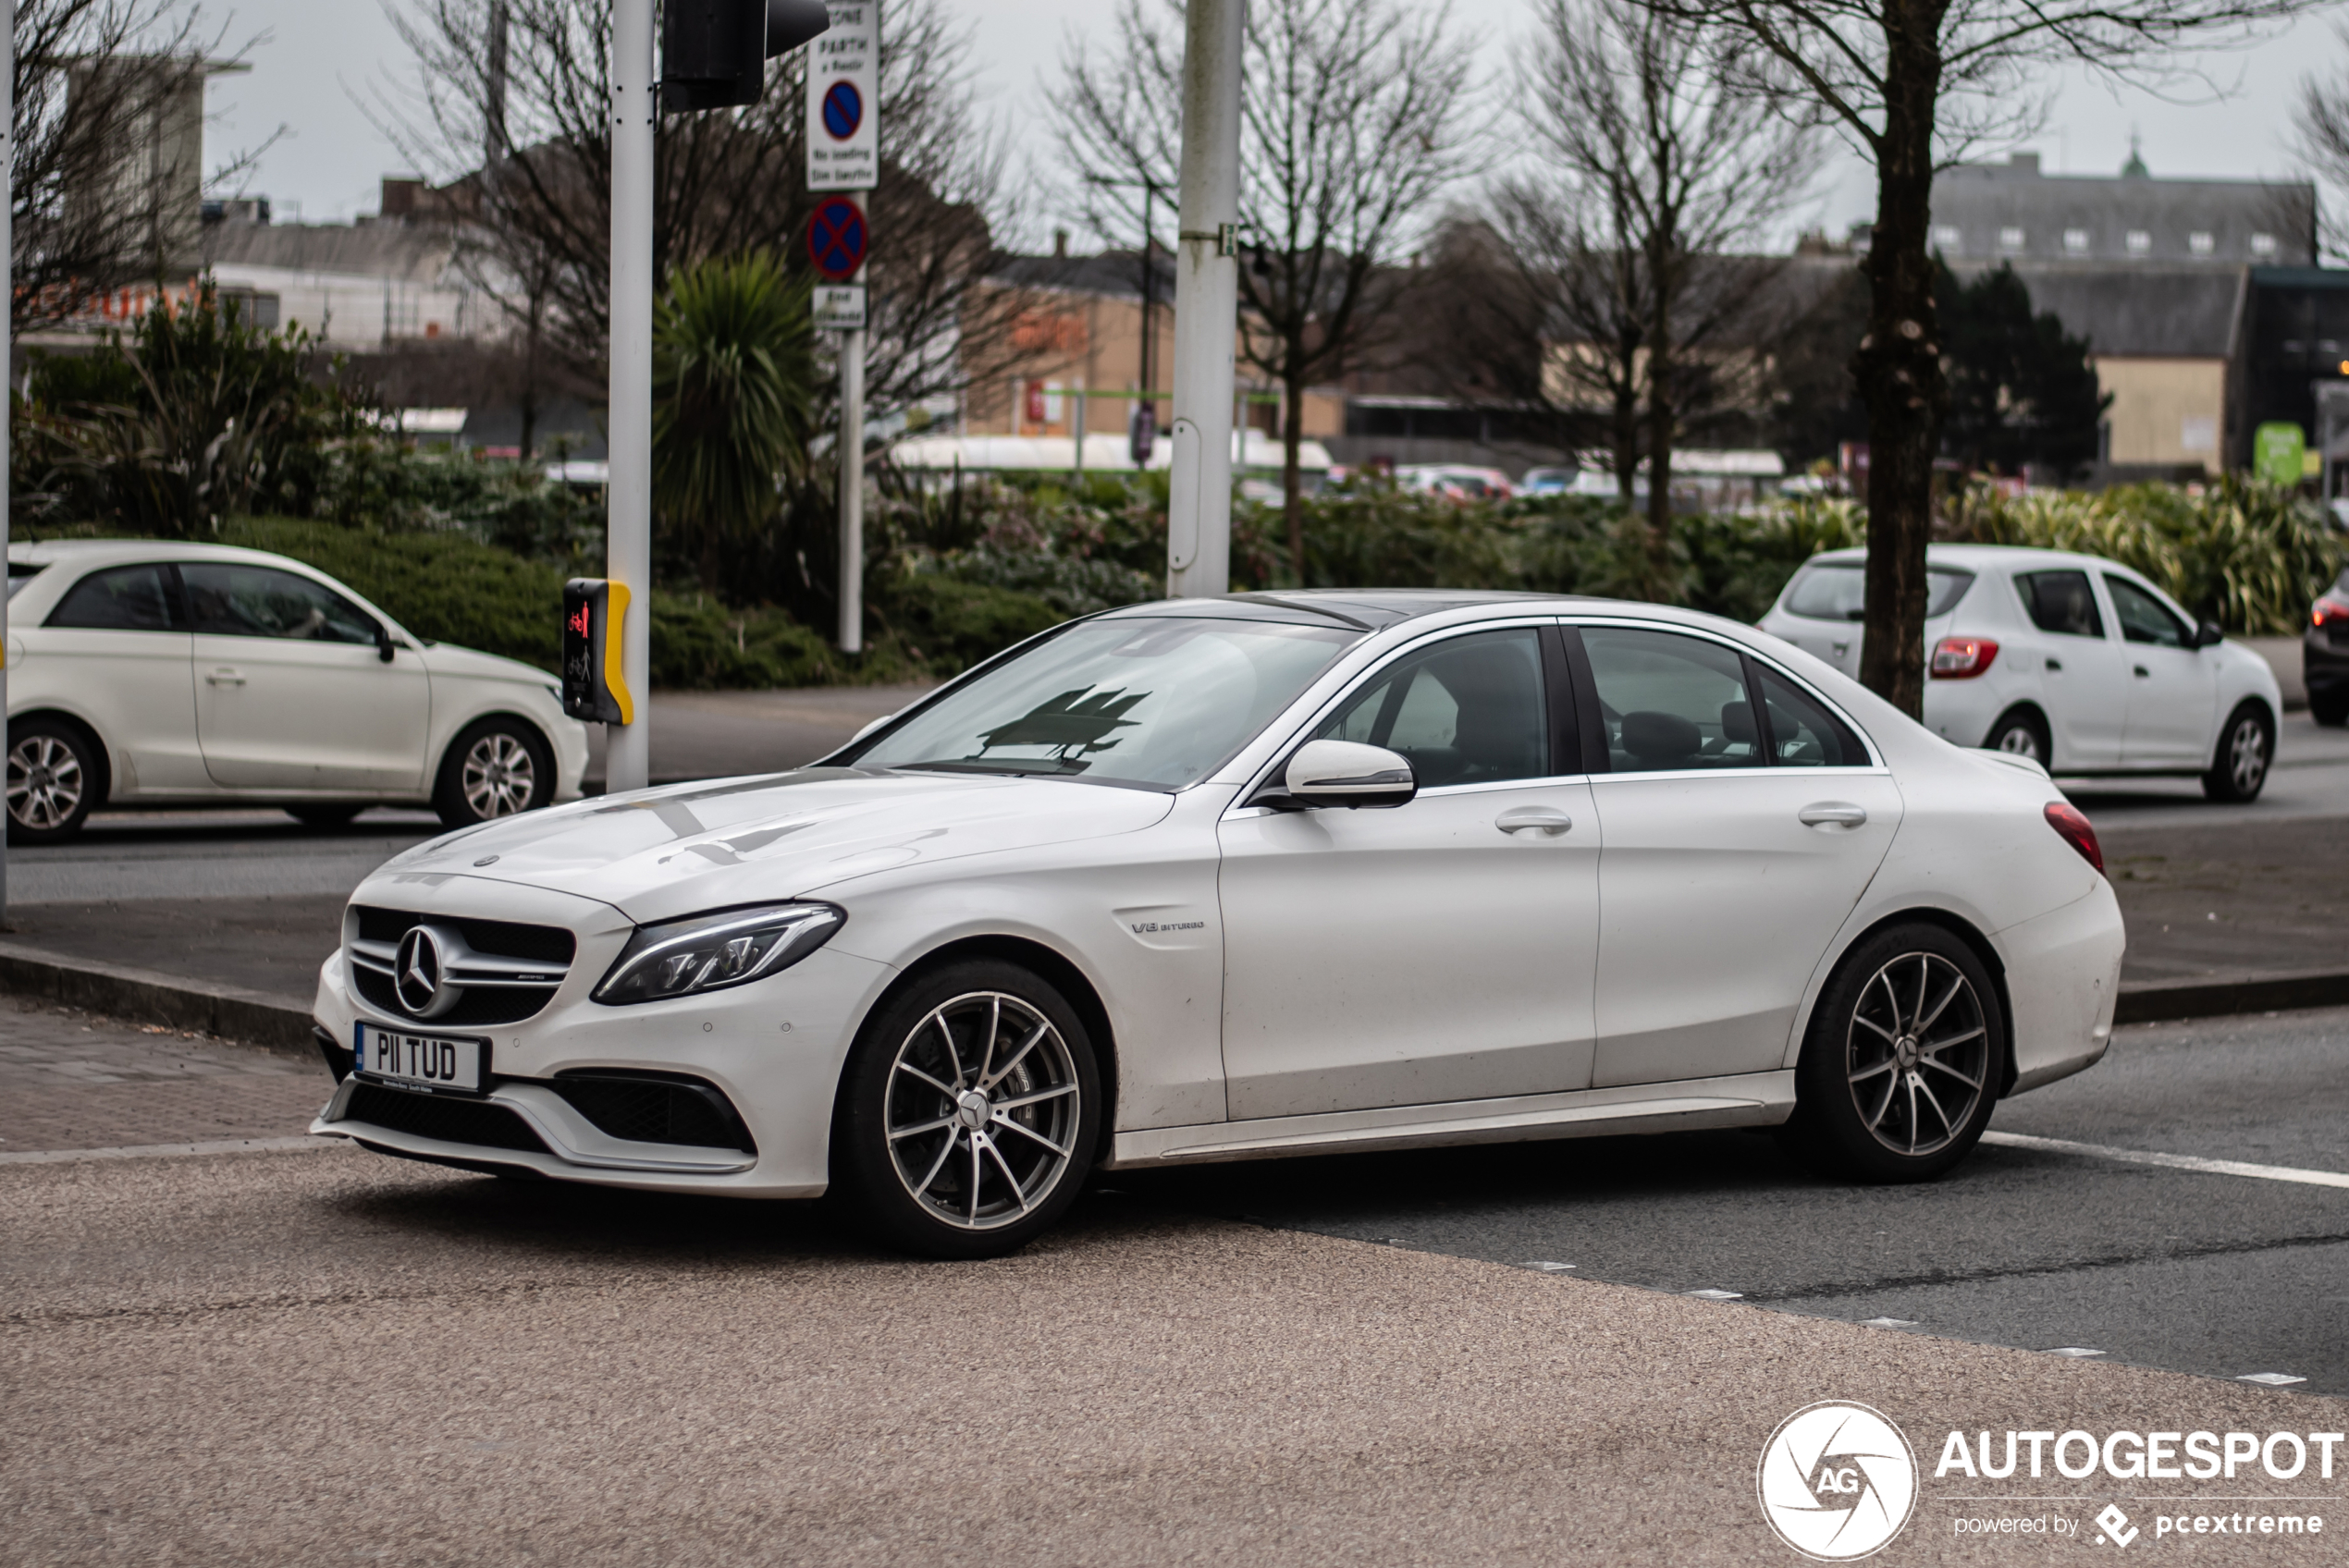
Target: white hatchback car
(1216,879)
(143,672)
(2073,661)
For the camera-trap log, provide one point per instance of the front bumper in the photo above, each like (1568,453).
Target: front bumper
(773,1048)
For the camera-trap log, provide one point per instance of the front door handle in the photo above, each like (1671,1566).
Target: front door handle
(2055,663)
(1536,819)
(225,677)
(1833,813)
(2143,674)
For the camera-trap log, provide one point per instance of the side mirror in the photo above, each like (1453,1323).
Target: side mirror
(386,649)
(2208,634)
(1342,773)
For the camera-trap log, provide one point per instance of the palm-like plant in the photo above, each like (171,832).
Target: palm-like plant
(734,366)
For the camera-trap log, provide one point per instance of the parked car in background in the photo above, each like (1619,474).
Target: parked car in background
(2073,661)
(1212,879)
(1547,482)
(2324,655)
(142,672)
(1457,481)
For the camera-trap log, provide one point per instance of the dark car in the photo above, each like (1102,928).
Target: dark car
(2324,655)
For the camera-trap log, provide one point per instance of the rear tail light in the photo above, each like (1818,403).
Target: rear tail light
(2074,830)
(2331,610)
(1963,658)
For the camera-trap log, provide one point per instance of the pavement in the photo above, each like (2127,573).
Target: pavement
(274,1356)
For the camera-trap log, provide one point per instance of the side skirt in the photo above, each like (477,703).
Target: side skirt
(1750,1099)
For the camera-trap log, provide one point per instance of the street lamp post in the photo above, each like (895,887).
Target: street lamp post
(1198,523)
(629,490)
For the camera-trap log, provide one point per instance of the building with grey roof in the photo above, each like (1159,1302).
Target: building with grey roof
(1983,213)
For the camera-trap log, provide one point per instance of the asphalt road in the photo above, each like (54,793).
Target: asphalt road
(2222,1275)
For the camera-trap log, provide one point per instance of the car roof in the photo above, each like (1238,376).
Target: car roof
(1375,609)
(54,551)
(1980,557)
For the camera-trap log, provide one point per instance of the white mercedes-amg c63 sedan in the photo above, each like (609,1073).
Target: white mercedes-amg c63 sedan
(1217,879)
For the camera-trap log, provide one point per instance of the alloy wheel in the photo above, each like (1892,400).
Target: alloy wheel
(44,782)
(2021,740)
(1917,1053)
(498,777)
(2247,756)
(983,1110)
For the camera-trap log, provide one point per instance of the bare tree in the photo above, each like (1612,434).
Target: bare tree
(531,77)
(107,172)
(1651,164)
(1354,121)
(2321,118)
(1911,84)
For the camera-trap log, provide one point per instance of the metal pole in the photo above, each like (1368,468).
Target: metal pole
(1199,533)
(8,370)
(1080,429)
(851,490)
(628,493)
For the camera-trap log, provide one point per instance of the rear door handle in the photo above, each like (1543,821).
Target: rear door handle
(1538,819)
(1832,814)
(2144,672)
(2055,663)
(225,677)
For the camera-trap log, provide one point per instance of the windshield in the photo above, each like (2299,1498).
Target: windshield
(1838,591)
(1158,702)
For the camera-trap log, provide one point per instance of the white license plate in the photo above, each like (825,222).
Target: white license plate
(425,1059)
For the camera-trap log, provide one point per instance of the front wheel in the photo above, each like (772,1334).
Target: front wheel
(495,767)
(1902,1064)
(968,1112)
(2246,745)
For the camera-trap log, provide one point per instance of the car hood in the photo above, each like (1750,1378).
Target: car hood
(660,853)
(448,658)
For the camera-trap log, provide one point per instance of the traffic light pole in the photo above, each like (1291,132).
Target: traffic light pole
(852,488)
(1198,533)
(8,271)
(629,495)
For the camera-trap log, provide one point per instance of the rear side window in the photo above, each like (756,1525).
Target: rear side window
(2060,602)
(1802,733)
(2144,618)
(1671,703)
(121,598)
(1838,591)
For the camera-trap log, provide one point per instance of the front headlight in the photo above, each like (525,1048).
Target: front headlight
(708,953)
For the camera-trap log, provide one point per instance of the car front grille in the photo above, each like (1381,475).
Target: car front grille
(504,972)
(441,1116)
(645,1109)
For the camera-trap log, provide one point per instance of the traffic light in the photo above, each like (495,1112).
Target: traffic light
(594,688)
(714,53)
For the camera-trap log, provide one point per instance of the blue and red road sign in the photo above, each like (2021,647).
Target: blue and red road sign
(843,110)
(836,237)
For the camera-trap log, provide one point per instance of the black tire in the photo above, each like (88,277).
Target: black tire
(497,767)
(2331,710)
(57,776)
(1879,1100)
(2023,732)
(2247,748)
(1031,1156)
(324,815)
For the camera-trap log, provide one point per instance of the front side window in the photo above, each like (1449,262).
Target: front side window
(1838,591)
(1158,702)
(258,601)
(122,598)
(1671,703)
(2143,618)
(2060,602)
(1469,710)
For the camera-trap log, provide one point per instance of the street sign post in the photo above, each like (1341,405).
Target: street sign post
(844,153)
(843,98)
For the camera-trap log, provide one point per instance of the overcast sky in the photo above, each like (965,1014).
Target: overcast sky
(318,59)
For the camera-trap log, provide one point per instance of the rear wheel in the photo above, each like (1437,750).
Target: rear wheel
(495,767)
(1902,1065)
(2330,709)
(968,1112)
(57,775)
(2022,732)
(2246,745)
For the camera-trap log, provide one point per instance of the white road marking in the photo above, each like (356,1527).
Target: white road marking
(1547,1268)
(2173,1161)
(2075,1352)
(171,1151)
(2273,1379)
(1715,1295)
(1889,1323)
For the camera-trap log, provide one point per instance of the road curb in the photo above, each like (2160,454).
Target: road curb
(261,1018)
(2158,1000)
